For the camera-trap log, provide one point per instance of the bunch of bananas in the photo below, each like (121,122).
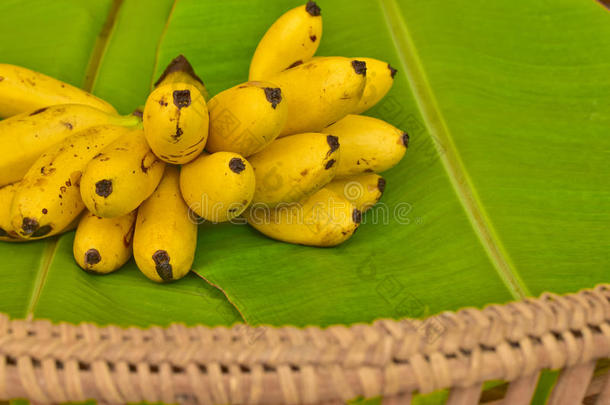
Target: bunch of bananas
(281,150)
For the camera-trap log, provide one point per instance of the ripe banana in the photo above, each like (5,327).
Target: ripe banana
(121,176)
(367,145)
(48,198)
(246,118)
(176,122)
(103,245)
(226,189)
(293,168)
(24,137)
(7,233)
(320,92)
(23,90)
(180,70)
(324,219)
(362,190)
(379,80)
(165,238)
(291,40)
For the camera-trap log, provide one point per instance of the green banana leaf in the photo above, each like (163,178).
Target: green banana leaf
(504,192)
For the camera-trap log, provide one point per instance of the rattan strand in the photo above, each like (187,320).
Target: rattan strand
(51,363)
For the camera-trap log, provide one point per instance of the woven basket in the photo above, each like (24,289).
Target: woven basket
(459,351)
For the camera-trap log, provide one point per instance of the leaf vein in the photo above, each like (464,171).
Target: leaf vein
(448,153)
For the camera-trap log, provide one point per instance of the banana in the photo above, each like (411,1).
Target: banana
(293,168)
(246,118)
(165,238)
(379,80)
(226,189)
(121,176)
(362,190)
(7,233)
(180,70)
(103,245)
(24,90)
(24,137)
(324,219)
(367,145)
(176,122)
(320,92)
(48,198)
(291,40)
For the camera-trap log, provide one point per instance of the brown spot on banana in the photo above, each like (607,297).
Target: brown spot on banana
(42,231)
(38,111)
(164,269)
(128,237)
(313,38)
(313,9)
(273,95)
(92,256)
(381,185)
(359,67)
(29,225)
(356,216)
(297,63)
(329,164)
(103,188)
(148,161)
(182,98)
(405,139)
(333,142)
(237,165)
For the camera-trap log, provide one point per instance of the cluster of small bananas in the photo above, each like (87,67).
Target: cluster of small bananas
(285,151)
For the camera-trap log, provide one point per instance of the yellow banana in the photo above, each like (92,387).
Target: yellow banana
(103,245)
(176,122)
(7,232)
(180,70)
(292,39)
(293,168)
(367,145)
(324,219)
(6,228)
(379,80)
(48,198)
(165,238)
(24,137)
(121,176)
(23,90)
(362,190)
(246,118)
(224,191)
(320,92)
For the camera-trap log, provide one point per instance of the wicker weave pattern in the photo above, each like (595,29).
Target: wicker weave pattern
(199,365)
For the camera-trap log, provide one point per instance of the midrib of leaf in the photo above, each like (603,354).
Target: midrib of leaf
(449,155)
(95,60)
